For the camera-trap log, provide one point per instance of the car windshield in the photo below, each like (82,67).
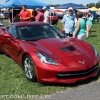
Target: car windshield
(37,32)
(52,14)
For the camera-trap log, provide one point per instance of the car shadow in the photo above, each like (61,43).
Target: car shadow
(87,81)
(8,56)
(83,82)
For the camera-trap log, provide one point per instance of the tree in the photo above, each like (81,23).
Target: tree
(81,4)
(97,5)
(90,5)
(6,0)
(51,5)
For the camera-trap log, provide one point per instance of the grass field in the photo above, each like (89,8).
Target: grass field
(14,82)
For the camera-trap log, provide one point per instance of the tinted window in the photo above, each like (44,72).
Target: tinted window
(52,14)
(12,30)
(36,32)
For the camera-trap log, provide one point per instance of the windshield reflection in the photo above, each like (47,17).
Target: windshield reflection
(37,32)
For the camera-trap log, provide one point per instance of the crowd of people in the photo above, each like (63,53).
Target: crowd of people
(74,24)
(77,25)
(41,15)
(38,15)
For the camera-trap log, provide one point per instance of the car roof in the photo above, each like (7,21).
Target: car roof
(27,23)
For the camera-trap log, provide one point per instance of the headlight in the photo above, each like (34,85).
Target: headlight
(95,52)
(46,59)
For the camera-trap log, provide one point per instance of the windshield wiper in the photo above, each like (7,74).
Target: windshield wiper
(64,36)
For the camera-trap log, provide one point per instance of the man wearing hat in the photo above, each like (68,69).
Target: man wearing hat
(40,16)
(68,22)
(46,14)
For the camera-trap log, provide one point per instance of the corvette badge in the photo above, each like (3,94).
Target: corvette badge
(82,62)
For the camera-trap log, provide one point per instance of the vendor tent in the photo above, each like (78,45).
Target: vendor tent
(29,3)
(74,6)
(0,6)
(94,9)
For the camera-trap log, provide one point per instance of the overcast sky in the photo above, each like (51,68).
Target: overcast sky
(84,2)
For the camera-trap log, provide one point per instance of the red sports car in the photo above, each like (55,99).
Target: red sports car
(53,19)
(46,55)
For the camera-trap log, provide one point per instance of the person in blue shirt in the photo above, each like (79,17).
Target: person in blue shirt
(80,27)
(68,22)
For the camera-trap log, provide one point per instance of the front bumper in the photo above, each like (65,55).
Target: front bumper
(60,75)
(77,74)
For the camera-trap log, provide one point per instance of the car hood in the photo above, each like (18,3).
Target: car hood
(60,47)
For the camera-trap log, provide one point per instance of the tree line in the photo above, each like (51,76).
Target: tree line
(97,5)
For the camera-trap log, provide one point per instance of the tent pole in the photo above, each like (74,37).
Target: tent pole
(12,15)
(50,18)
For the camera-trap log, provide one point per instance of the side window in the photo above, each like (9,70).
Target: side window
(12,31)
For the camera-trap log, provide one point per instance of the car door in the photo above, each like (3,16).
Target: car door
(12,43)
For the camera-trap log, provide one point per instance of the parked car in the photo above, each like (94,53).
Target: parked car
(53,19)
(46,55)
(6,14)
(60,16)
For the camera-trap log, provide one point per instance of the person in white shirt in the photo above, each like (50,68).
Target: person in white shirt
(1,19)
(46,14)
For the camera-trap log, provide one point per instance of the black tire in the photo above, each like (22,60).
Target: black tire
(0,50)
(29,68)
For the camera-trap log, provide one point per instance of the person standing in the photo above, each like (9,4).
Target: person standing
(1,19)
(46,14)
(89,23)
(12,15)
(40,16)
(68,22)
(80,27)
(25,15)
(34,13)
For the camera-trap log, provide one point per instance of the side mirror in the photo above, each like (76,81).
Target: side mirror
(63,31)
(3,29)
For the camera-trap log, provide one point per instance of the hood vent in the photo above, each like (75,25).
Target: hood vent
(66,49)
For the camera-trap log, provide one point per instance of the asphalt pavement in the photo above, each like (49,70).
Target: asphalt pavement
(88,91)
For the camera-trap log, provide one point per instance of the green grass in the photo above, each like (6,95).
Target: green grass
(14,82)
(95,37)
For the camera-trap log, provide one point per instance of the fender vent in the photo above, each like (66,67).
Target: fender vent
(66,49)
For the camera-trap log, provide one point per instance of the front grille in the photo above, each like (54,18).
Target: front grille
(77,74)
